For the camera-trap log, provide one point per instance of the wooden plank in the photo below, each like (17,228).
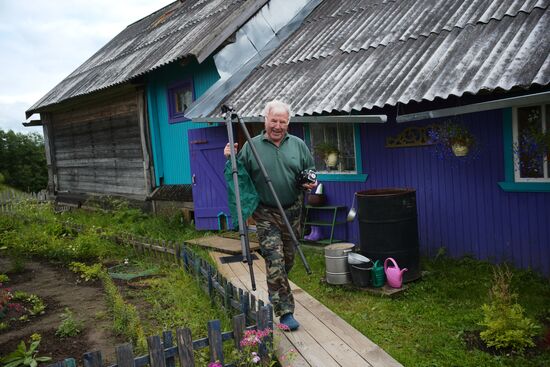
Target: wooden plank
(124,355)
(226,245)
(156,351)
(167,342)
(143,132)
(263,324)
(215,340)
(284,346)
(92,359)
(239,324)
(185,347)
(310,347)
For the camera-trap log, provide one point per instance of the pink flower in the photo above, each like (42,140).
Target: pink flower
(256,359)
(283,327)
(215,364)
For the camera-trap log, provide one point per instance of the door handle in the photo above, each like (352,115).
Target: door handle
(194,179)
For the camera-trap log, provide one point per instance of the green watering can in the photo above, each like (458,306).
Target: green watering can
(378,277)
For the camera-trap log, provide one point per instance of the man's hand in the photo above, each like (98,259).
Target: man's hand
(227,150)
(310,186)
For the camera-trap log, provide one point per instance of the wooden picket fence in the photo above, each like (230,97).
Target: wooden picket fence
(163,353)
(10,198)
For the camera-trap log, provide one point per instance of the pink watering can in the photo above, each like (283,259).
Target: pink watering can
(394,275)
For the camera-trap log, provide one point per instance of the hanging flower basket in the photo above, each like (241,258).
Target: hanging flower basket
(454,137)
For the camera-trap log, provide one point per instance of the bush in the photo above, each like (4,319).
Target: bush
(504,319)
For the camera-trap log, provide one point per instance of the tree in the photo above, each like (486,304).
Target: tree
(23,161)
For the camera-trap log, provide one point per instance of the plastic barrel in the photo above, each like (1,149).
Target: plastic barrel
(388,227)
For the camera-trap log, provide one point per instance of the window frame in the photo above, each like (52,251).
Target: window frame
(358,176)
(509,184)
(515,136)
(173,116)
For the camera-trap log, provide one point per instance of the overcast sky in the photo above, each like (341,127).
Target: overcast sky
(42,42)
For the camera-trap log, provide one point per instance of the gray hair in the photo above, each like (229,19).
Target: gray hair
(276,104)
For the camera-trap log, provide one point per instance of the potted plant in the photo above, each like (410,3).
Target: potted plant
(454,136)
(328,153)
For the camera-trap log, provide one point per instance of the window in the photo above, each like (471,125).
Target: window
(333,147)
(180,96)
(530,157)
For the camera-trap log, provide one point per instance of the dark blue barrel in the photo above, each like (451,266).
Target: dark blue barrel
(388,227)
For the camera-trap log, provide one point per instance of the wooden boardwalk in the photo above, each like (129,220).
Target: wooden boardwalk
(323,339)
(222,244)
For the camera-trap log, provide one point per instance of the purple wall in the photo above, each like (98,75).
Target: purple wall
(460,205)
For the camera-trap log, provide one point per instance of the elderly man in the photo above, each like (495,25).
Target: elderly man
(284,157)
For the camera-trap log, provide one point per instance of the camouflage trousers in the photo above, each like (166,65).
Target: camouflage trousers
(278,251)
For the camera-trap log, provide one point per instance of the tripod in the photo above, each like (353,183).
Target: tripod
(243,232)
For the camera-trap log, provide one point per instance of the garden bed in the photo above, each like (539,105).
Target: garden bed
(59,288)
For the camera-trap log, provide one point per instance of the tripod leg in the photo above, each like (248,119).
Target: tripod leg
(243,231)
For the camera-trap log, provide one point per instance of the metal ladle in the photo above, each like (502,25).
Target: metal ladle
(352,212)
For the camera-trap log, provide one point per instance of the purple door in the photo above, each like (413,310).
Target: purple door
(209,188)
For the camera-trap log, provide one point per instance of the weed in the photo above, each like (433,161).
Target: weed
(126,320)
(69,326)
(4,279)
(17,264)
(87,272)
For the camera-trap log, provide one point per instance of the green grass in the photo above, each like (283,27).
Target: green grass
(425,325)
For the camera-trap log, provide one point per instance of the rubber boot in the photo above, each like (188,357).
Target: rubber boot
(289,322)
(315,234)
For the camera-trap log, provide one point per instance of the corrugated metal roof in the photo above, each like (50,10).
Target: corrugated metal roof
(178,30)
(352,55)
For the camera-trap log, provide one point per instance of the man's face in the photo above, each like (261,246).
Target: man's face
(276,124)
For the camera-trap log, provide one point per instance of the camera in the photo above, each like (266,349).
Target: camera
(305,177)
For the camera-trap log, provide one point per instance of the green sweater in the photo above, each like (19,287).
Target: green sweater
(283,164)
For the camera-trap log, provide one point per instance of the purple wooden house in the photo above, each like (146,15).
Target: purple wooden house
(377,79)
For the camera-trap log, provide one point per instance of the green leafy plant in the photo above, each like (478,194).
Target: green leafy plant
(450,133)
(23,356)
(505,324)
(69,326)
(87,272)
(4,278)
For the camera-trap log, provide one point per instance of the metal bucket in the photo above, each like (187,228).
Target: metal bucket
(336,261)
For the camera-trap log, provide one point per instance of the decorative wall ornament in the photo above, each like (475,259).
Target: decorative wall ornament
(414,136)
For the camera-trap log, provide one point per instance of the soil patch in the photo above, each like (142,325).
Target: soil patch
(60,288)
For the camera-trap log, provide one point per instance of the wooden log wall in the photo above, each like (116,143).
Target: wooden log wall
(98,149)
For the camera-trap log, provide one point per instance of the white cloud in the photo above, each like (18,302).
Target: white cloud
(44,41)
